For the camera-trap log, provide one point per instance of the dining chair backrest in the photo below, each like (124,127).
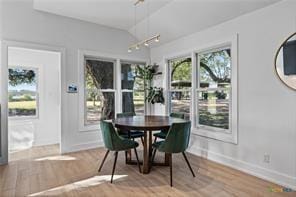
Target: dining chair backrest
(177,139)
(111,139)
(177,115)
(125,114)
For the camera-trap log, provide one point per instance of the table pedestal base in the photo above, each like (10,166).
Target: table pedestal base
(147,124)
(147,154)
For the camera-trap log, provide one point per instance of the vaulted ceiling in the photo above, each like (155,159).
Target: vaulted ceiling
(171,18)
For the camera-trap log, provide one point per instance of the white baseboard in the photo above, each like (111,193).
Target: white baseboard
(80,147)
(255,170)
(45,142)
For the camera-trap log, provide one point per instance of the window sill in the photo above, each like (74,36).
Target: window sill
(24,118)
(216,135)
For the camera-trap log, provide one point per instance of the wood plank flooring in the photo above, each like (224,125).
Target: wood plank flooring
(41,171)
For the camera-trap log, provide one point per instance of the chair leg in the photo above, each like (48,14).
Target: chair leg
(103,161)
(136,153)
(114,165)
(155,138)
(188,164)
(152,158)
(171,169)
(142,139)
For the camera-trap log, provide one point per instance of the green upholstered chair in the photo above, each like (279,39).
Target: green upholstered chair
(162,134)
(177,141)
(113,142)
(130,134)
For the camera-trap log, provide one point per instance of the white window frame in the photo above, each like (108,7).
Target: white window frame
(229,135)
(36,70)
(170,90)
(99,90)
(134,90)
(232,135)
(199,89)
(117,86)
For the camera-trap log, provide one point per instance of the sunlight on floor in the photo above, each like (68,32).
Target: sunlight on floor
(56,158)
(93,181)
(20,136)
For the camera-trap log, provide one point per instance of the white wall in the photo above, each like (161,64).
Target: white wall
(267,108)
(22,23)
(0,66)
(45,128)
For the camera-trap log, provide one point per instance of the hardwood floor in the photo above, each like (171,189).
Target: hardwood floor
(41,171)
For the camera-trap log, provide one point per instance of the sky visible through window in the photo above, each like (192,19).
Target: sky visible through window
(31,87)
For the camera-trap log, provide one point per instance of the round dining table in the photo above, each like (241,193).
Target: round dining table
(147,124)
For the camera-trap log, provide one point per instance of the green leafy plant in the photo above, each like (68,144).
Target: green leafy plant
(147,73)
(155,95)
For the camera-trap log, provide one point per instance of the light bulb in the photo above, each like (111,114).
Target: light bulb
(157,39)
(137,47)
(146,44)
(129,50)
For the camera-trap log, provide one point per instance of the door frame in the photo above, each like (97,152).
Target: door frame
(5,44)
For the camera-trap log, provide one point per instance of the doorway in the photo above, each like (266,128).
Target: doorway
(33,101)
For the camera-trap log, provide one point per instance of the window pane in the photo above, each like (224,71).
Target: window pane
(100,106)
(129,79)
(180,103)
(213,108)
(99,74)
(180,73)
(22,92)
(215,69)
(133,102)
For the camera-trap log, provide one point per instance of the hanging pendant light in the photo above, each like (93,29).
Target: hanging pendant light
(145,42)
(157,39)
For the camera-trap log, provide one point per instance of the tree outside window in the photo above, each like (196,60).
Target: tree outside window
(100,91)
(22,92)
(213,89)
(180,86)
(133,92)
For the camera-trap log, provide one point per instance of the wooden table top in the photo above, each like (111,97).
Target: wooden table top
(146,122)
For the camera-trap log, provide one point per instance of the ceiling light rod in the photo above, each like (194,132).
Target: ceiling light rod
(138,1)
(145,42)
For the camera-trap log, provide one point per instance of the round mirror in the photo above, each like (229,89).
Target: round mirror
(285,62)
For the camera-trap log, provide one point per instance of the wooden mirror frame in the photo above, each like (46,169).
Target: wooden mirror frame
(275,60)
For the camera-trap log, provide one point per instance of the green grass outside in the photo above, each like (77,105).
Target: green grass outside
(22,105)
(32,104)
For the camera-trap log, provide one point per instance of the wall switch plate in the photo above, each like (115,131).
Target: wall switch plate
(72,89)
